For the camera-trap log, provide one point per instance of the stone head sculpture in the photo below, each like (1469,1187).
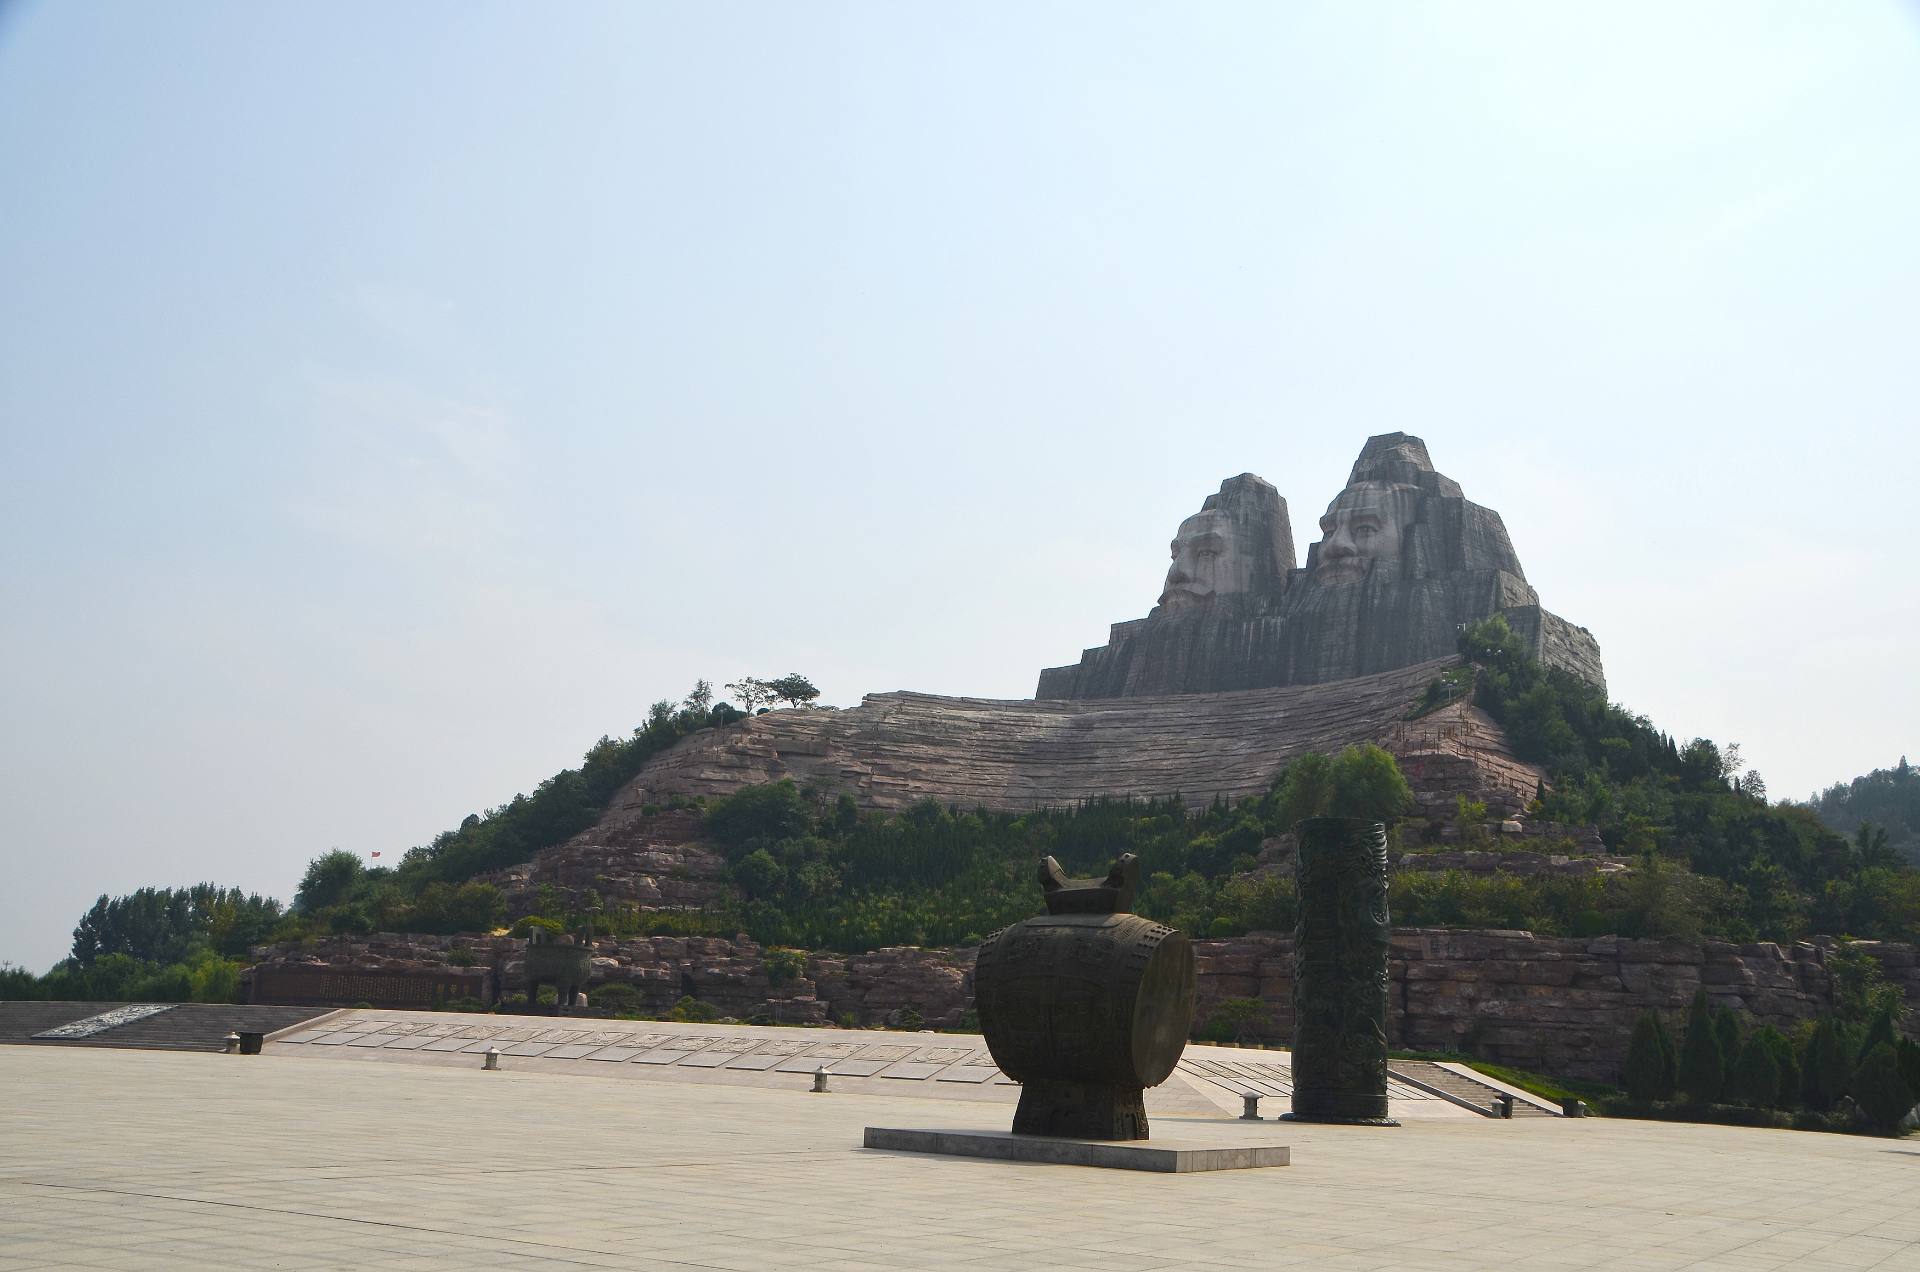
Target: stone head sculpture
(1366,522)
(1399,515)
(1240,541)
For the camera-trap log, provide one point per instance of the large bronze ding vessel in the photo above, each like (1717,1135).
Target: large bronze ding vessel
(1340,973)
(1086,1006)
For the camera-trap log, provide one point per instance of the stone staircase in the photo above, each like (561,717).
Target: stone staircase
(1480,1095)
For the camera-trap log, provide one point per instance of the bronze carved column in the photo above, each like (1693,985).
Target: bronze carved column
(1340,972)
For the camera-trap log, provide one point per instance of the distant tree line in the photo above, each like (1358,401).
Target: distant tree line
(1728,862)
(1849,1067)
(155,945)
(1880,810)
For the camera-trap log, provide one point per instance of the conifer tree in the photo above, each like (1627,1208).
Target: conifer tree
(1703,1065)
(1880,1031)
(1649,1073)
(1726,1029)
(1823,1067)
(1786,1063)
(1908,1051)
(1880,1092)
(1756,1074)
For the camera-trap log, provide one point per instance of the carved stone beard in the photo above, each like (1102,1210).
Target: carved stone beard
(1365,523)
(1208,561)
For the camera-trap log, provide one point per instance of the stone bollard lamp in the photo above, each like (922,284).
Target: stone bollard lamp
(820,1076)
(491,1060)
(233,1044)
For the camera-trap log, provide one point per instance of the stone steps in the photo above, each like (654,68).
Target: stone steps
(1480,1094)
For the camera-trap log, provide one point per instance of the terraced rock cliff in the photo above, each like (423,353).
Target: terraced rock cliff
(896,748)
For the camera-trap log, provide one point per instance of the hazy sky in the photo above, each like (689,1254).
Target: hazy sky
(396,398)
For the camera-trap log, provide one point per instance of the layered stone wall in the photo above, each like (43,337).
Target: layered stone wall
(1558,1005)
(896,748)
(736,976)
(1562,1006)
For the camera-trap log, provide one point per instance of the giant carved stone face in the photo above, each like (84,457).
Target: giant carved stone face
(1363,525)
(1208,560)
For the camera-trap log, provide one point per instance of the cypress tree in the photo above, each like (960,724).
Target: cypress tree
(1823,1067)
(1726,1029)
(1650,1060)
(1881,1093)
(1756,1074)
(1908,1053)
(1879,1032)
(1786,1063)
(1703,1065)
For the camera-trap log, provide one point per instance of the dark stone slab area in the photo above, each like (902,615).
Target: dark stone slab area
(182,1027)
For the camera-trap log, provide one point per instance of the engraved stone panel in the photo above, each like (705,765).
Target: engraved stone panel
(106,1020)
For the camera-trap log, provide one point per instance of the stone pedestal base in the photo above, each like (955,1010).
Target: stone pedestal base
(1350,1108)
(1081,1110)
(1172,1157)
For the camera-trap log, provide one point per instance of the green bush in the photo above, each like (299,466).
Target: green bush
(774,811)
(615,998)
(784,965)
(1362,782)
(690,1010)
(1234,1019)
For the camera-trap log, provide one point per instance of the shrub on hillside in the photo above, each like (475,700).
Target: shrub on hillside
(753,814)
(1362,782)
(691,1010)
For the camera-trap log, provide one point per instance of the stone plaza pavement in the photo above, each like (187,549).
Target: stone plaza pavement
(130,1159)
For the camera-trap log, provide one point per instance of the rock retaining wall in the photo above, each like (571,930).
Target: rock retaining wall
(1558,1005)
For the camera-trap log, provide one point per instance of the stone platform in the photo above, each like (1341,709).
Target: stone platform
(157,1160)
(1173,1157)
(1208,1083)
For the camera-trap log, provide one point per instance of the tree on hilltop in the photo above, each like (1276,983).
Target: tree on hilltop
(793,689)
(751,692)
(329,878)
